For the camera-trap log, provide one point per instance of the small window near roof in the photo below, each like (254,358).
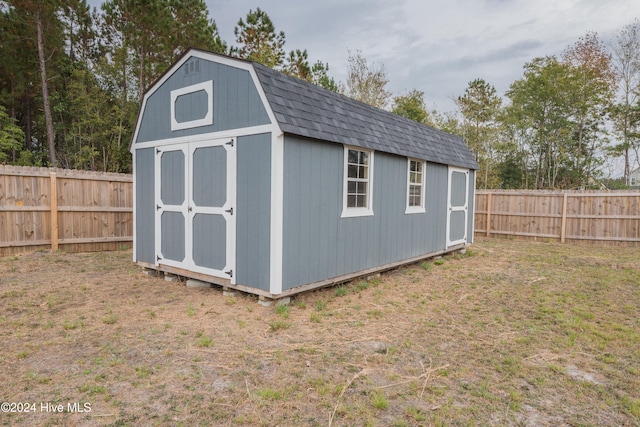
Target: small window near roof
(415,186)
(358,169)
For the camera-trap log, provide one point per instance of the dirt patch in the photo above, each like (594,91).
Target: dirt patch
(511,333)
(580,375)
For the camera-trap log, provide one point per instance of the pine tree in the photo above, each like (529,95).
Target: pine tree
(258,41)
(480,106)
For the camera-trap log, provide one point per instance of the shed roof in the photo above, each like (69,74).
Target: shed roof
(305,109)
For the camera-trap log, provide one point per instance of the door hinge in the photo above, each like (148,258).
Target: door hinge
(158,207)
(230,273)
(158,151)
(230,210)
(158,258)
(190,208)
(230,143)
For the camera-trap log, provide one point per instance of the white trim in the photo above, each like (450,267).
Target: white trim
(207,120)
(451,209)
(230,133)
(135,196)
(277,214)
(357,212)
(421,208)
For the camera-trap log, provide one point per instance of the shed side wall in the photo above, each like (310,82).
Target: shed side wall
(144,205)
(236,102)
(253,221)
(318,244)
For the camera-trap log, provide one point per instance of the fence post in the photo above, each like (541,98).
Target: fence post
(489,214)
(54,212)
(563,226)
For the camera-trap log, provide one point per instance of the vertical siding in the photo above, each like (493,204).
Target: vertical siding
(236,102)
(145,205)
(436,205)
(312,204)
(253,201)
(318,244)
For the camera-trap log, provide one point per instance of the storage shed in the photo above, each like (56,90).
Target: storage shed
(251,179)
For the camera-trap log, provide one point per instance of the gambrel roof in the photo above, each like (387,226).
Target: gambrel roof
(304,109)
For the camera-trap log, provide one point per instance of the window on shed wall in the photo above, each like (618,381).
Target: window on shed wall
(415,186)
(358,170)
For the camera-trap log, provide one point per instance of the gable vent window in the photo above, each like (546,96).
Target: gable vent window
(357,191)
(192,67)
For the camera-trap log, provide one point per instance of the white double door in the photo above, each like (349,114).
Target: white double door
(195,200)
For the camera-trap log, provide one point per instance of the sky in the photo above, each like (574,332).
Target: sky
(437,47)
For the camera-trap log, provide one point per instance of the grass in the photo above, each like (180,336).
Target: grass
(511,333)
(110,318)
(204,341)
(278,324)
(379,401)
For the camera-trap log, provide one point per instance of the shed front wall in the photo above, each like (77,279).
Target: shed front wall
(253,205)
(318,244)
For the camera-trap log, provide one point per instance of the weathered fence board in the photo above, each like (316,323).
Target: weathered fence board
(595,216)
(71,210)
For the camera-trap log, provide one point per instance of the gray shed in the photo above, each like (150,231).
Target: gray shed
(251,179)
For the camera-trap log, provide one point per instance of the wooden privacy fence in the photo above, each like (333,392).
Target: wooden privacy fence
(72,210)
(596,216)
(77,211)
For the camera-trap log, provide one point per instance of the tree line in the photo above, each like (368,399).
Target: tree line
(558,124)
(72,79)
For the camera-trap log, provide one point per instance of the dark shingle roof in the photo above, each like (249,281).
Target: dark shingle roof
(304,109)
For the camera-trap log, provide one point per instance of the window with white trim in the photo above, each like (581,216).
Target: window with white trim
(415,186)
(358,170)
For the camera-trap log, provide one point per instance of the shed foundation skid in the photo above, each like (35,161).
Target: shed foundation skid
(267,298)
